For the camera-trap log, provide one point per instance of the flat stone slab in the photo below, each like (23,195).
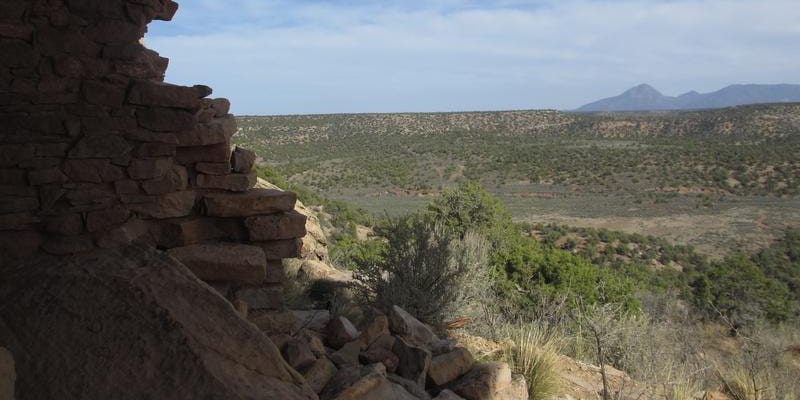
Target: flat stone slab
(280,249)
(195,229)
(169,205)
(233,182)
(248,204)
(224,262)
(276,227)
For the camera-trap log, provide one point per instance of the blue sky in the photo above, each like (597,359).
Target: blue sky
(302,57)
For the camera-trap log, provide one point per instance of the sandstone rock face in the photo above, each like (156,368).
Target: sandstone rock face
(175,330)
(7,374)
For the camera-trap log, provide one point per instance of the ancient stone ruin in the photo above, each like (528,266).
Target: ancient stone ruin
(140,257)
(97,151)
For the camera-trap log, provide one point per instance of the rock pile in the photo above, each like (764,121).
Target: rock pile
(97,151)
(394,357)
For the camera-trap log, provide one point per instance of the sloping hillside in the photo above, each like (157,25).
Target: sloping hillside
(717,177)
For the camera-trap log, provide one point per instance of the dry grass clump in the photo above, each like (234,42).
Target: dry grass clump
(738,383)
(534,354)
(682,391)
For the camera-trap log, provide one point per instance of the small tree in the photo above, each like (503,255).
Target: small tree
(602,322)
(470,207)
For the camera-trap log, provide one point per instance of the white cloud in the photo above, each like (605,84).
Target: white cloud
(306,57)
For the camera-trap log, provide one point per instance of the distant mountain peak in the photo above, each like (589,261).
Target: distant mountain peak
(643,91)
(643,88)
(644,97)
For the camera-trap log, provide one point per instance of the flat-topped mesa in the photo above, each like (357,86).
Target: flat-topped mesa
(97,151)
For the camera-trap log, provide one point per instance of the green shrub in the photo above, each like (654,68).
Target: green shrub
(425,269)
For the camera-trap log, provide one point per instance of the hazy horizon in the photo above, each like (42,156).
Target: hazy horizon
(315,57)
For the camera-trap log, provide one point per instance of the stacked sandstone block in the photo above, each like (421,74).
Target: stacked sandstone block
(96,150)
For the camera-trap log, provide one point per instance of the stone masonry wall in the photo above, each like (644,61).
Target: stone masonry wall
(97,151)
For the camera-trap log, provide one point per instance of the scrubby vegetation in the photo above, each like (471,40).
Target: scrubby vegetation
(742,151)
(675,319)
(523,285)
(720,166)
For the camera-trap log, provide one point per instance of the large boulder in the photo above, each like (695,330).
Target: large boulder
(415,332)
(445,368)
(413,361)
(375,386)
(316,320)
(297,353)
(319,374)
(7,375)
(485,381)
(137,324)
(340,332)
